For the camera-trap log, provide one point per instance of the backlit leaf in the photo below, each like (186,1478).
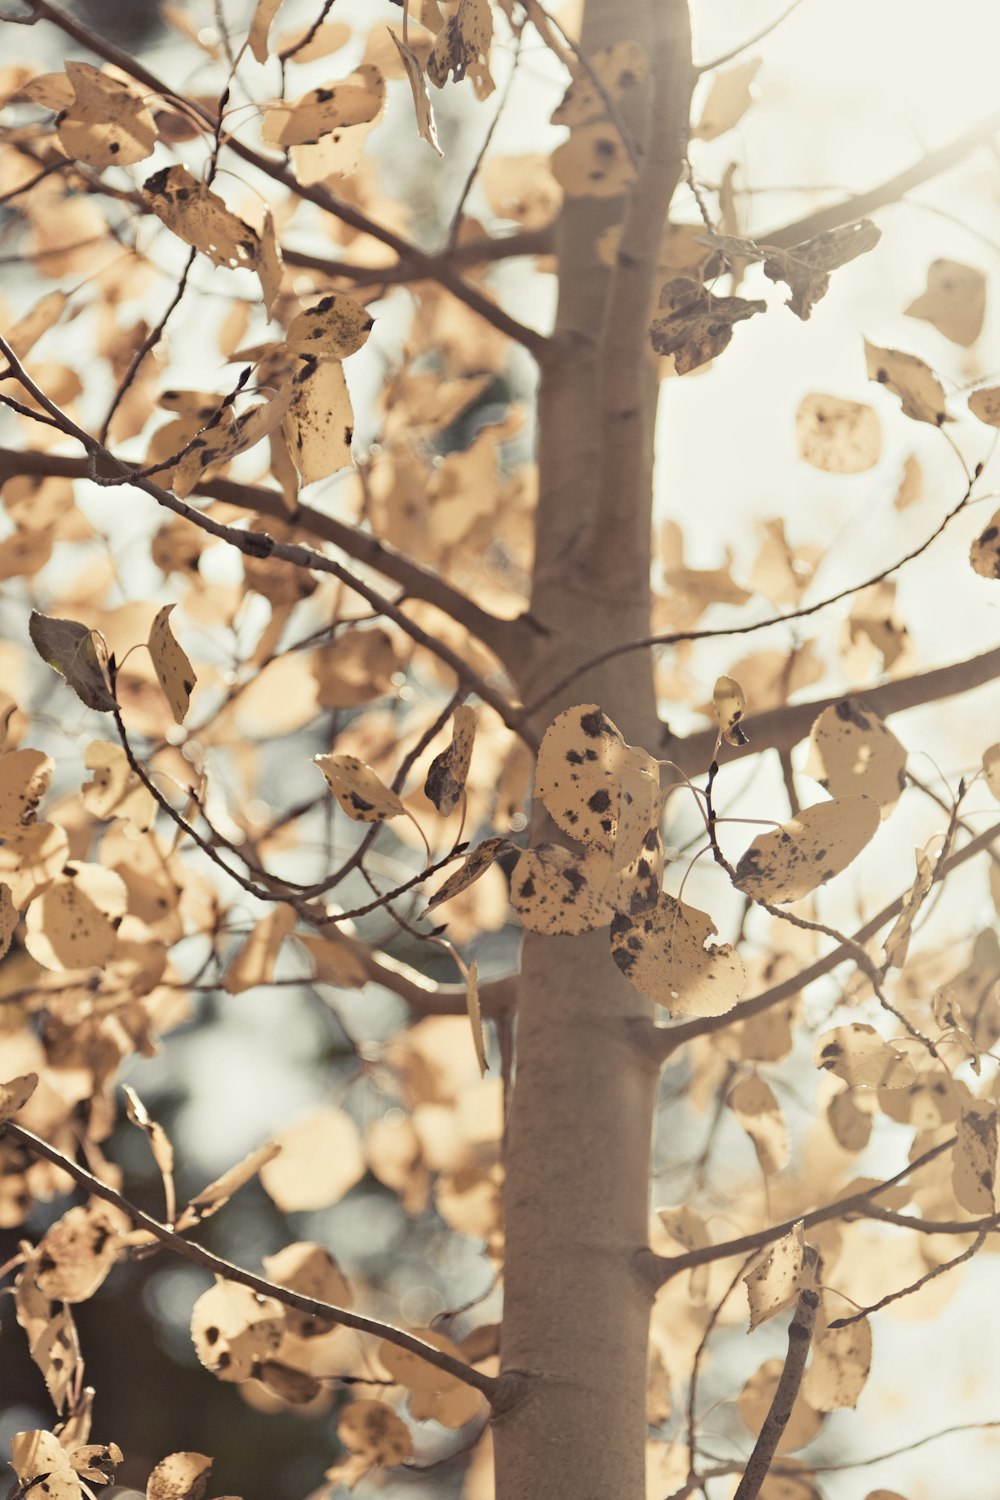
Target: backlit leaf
(24,780)
(357,100)
(807,851)
(911,380)
(666,955)
(42,1465)
(108,123)
(74,651)
(593,163)
(984,554)
(358,790)
(433,1394)
(320,1160)
(174,670)
(115,791)
(730,708)
(73,923)
(200,218)
(15,1093)
(841,1360)
(776,1277)
(955,301)
(319,425)
(985,404)
(753,1103)
(728,100)
(233,1329)
(853,752)
(218,1193)
(463,46)
(255,961)
(842,437)
(260,28)
(857,1054)
(338,325)
(476,862)
(422,107)
(310,1269)
(974,1163)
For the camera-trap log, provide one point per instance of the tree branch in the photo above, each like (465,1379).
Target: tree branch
(422,264)
(500,635)
(758,36)
(229,1272)
(800,1332)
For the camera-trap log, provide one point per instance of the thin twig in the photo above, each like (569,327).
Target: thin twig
(758,36)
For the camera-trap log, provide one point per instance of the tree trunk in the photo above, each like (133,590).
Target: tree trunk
(576,1201)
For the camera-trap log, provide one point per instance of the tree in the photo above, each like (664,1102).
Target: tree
(441,625)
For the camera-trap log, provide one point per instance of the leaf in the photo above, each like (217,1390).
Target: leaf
(108,124)
(218,1193)
(73,923)
(422,107)
(663,953)
(15,1093)
(851,1126)
(911,380)
(159,1141)
(334,960)
(42,1465)
(173,669)
(255,961)
(898,940)
(433,1394)
(200,218)
(475,863)
(807,851)
(556,892)
(991,769)
(180,1476)
(233,1329)
(338,325)
(24,779)
(222,437)
(115,791)
(974,1163)
(753,1103)
(475,1016)
(985,404)
(375,1437)
(449,771)
(730,707)
(319,425)
(260,28)
(579,771)
(805,268)
(270,267)
(463,46)
(955,301)
(358,789)
(357,100)
(984,554)
(698,325)
(75,1255)
(320,1160)
(728,100)
(618,69)
(841,437)
(857,1054)
(852,752)
(841,1361)
(310,1269)
(776,1277)
(593,163)
(72,649)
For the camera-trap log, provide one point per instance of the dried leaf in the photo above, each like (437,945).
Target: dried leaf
(255,961)
(698,325)
(804,268)
(15,1093)
(75,1254)
(108,124)
(200,218)
(180,1476)
(233,1329)
(911,380)
(776,1278)
(618,69)
(260,28)
(974,1163)
(841,437)
(578,776)
(422,107)
(357,100)
(556,892)
(374,1436)
(218,1193)
(851,1126)
(807,851)
(475,1016)
(42,1465)
(476,863)
(841,1360)
(448,772)
(320,1160)
(593,163)
(898,940)
(309,1269)
(728,100)
(159,1141)
(359,791)
(74,652)
(753,1103)
(270,267)
(730,707)
(338,325)
(984,554)
(319,425)
(463,46)
(857,1054)
(173,669)
(955,301)
(663,953)
(853,752)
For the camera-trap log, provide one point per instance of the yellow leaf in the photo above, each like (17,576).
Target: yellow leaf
(15,1093)
(254,963)
(200,218)
(357,100)
(857,1054)
(728,100)
(911,380)
(233,1329)
(108,123)
(841,1360)
(173,669)
(270,268)
(776,1277)
(974,1163)
(730,709)
(554,891)
(853,752)
(984,554)
(338,325)
(359,791)
(319,425)
(663,953)
(73,923)
(842,437)
(593,163)
(320,1160)
(260,28)
(753,1103)
(116,791)
(808,851)
(422,107)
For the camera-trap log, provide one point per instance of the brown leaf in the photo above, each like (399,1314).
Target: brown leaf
(200,218)
(807,851)
(698,325)
(449,771)
(730,707)
(663,953)
(728,100)
(857,1054)
(841,1360)
(776,1277)
(233,1329)
(476,863)
(433,1393)
(180,1476)
(77,654)
(463,46)
(593,163)
(73,923)
(218,1193)
(374,1436)
(15,1093)
(255,961)
(556,892)
(358,790)
(804,268)
(984,554)
(753,1103)
(319,424)
(955,301)
(357,100)
(116,791)
(338,326)
(974,1164)
(911,380)
(422,107)
(842,437)
(309,1269)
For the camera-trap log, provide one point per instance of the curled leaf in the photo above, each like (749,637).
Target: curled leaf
(173,669)
(730,707)
(697,324)
(75,652)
